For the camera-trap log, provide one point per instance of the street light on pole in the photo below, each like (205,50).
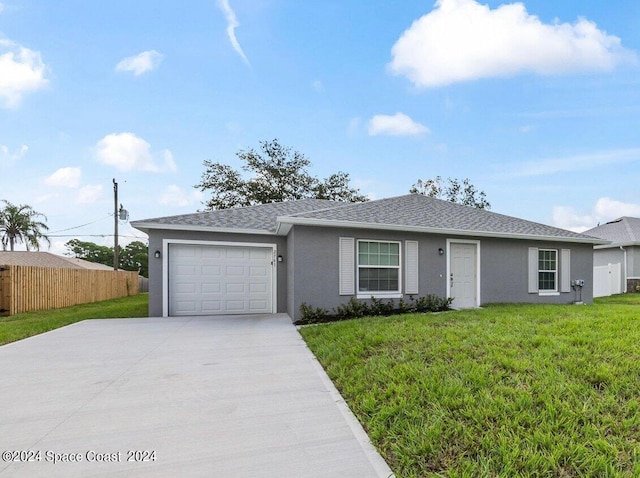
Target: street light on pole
(115,225)
(118,214)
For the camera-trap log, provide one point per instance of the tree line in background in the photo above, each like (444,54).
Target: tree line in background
(132,257)
(279,173)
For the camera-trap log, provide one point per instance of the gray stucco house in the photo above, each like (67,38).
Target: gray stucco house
(617,264)
(273,257)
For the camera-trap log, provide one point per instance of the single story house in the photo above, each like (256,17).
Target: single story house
(617,264)
(47,259)
(275,257)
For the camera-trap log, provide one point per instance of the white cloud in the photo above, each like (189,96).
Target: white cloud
(9,157)
(127,152)
(21,72)
(176,196)
(395,125)
(317,86)
(65,177)
(1,7)
(232,24)
(462,40)
(89,194)
(140,63)
(605,209)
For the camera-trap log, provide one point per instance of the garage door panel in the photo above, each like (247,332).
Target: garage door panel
(214,271)
(212,279)
(258,272)
(184,307)
(185,270)
(235,305)
(211,288)
(260,254)
(212,253)
(211,307)
(235,288)
(186,288)
(258,304)
(257,288)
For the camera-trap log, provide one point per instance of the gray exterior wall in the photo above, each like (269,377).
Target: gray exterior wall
(313,272)
(603,257)
(504,269)
(633,261)
(156,238)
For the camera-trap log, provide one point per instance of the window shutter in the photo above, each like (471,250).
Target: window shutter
(565,270)
(533,270)
(411,267)
(347,266)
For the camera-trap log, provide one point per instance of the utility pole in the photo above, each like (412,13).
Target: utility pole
(115,225)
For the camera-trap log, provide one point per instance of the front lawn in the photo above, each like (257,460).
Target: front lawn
(20,326)
(507,390)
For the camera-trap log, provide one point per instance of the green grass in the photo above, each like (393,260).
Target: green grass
(507,390)
(20,326)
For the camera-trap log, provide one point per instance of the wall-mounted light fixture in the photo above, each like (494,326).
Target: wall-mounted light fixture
(441,251)
(156,254)
(280,258)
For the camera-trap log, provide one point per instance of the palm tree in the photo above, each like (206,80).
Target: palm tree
(21,224)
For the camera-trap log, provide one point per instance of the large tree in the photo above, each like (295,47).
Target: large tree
(133,257)
(90,251)
(453,190)
(277,174)
(21,224)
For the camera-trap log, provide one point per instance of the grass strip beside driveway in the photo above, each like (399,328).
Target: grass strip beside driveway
(20,326)
(507,390)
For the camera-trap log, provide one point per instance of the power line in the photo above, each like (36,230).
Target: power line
(82,225)
(92,235)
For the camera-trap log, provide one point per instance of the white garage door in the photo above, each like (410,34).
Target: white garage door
(213,280)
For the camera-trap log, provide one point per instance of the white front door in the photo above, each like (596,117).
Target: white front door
(214,280)
(463,275)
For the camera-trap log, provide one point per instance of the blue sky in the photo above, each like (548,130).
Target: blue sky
(537,103)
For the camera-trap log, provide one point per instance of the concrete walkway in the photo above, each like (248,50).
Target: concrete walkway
(227,396)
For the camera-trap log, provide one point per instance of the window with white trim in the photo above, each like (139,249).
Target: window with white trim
(378,268)
(547,270)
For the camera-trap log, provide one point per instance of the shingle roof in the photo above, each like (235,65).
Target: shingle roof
(409,212)
(624,230)
(261,217)
(46,259)
(419,211)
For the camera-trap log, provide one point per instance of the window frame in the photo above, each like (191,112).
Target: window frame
(383,294)
(555,272)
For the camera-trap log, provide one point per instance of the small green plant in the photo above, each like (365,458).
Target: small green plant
(638,288)
(312,315)
(353,308)
(433,303)
(376,307)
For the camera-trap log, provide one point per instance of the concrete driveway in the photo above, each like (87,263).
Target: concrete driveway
(195,396)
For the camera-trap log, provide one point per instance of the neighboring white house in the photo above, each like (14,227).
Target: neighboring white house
(616,266)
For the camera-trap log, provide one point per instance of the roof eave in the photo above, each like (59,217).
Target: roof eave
(146,226)
(615,245)
(432,230)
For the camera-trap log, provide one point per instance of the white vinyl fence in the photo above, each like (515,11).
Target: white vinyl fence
(607,280)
